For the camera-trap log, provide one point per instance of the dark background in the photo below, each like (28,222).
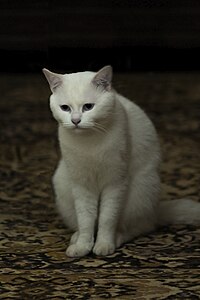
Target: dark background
(78,35)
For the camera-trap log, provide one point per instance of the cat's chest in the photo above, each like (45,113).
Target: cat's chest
(94,163)
(95,160)
(84,158)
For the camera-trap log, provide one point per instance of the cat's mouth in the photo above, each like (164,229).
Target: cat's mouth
(74,127)
(86,127)
(79,128)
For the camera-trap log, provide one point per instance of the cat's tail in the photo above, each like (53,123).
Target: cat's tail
(182,211)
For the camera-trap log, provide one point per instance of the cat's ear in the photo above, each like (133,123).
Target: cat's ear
(54,79)
(103,78)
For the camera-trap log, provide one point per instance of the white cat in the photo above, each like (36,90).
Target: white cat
(107,182)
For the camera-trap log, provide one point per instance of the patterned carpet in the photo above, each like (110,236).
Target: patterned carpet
(33,239)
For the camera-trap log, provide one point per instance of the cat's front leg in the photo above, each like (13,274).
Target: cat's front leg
(86,211)
(109,212)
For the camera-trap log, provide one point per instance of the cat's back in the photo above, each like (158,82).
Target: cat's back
(143,136)
(136,116)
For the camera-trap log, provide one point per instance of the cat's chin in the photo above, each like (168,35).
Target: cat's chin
(78,129)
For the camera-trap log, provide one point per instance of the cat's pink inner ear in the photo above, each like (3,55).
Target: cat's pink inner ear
(103,78)
(54,79)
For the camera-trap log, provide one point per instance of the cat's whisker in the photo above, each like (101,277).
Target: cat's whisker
(88,125)
(100,127)
(95,126)
(99,130)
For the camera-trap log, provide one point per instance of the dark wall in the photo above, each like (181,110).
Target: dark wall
(72,34)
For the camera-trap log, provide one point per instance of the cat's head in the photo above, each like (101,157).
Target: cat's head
(83,100)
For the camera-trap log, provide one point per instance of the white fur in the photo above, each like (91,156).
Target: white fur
(107,182)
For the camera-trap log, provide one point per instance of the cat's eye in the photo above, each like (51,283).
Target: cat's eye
(88,106)
(65,107)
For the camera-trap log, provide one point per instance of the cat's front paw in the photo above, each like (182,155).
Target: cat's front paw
(79,250)
(104,248)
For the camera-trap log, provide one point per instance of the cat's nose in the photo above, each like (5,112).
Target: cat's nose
(76,121)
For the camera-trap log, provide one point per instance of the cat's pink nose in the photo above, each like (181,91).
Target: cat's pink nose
(76,121)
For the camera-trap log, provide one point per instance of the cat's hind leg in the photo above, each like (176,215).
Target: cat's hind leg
(139,215)
(125,236)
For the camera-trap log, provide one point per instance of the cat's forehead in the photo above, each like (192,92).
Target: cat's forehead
(79,78)
(76,87)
